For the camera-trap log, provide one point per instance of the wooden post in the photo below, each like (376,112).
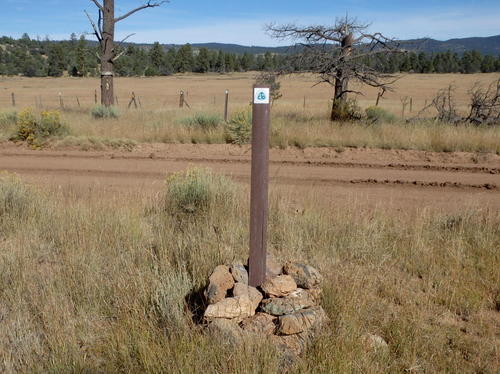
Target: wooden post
(411,104)
(61,103)
(78,101)
(304,102)
(132,100)
(181,100)
(13,96)
(259,185)
(226,106)
(95,97)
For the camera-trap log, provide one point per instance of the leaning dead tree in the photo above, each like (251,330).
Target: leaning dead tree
(104,31)
(339,54)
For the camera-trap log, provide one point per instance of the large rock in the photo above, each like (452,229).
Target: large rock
(375,343)
(240,274)
(296,300)
(291,346)
(273,267)
(238,308)
(221,280)
(279,286)
(301,321)
(252,293)
(226,331)
(304,275)
(261,323)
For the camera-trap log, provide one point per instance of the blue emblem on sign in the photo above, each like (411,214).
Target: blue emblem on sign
(262,96)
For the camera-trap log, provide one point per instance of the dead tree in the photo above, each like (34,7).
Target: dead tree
(104,31)
(485,104)
(338,54)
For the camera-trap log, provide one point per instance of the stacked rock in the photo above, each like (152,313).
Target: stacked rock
(286,308)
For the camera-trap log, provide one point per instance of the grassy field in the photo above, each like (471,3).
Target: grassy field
(160,120)
(91,284)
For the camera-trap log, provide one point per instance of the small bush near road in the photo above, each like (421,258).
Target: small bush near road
(239,129)
(35,130)
(203,121)
(101,111)
(197,190)
(375,114)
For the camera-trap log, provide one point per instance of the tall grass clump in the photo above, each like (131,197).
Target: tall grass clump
(17,203)
(375,114)
(36,130)
(198,190)
(102,111)
(202,121)
(7,119)
(239,129)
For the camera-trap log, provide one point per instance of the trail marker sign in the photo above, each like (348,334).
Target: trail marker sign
(261,95)
(261,113)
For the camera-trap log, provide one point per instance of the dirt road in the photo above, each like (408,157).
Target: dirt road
(400,179)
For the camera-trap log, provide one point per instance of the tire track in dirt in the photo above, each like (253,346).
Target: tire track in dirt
(332,164)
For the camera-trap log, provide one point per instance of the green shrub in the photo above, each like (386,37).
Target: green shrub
(197,191)
(203,121)
(101,111)
(375,114)
(36,130)
(239,129)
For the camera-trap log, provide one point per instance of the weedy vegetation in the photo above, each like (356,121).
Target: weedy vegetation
(94,284)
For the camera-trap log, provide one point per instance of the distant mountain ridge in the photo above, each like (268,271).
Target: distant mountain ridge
(486,45)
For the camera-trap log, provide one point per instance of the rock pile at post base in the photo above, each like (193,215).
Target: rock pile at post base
(286,309)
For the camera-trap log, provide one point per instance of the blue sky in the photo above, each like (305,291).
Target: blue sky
(242,21)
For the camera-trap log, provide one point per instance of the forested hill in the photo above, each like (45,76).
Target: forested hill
(486,46)
(78,57)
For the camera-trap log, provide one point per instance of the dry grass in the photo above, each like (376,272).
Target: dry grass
(160,120)
(99,285)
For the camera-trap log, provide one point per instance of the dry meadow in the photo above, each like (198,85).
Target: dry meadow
(101,277)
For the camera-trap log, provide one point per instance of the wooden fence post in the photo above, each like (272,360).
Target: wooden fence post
(61,103)
(181,100)
(13,96)
(226,106)
(132,100)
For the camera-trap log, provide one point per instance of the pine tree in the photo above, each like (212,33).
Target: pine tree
(81,51)
(202,61)
(56,63)
(156,56)
(184,59)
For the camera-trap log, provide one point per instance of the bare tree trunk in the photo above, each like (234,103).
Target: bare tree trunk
(341,82)
(104,31)
(107,53)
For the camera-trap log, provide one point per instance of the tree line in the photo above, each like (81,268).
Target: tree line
(78,57)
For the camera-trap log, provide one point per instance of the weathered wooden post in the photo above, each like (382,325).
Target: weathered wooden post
(132,100)
(61,103)
(259,185)
(95,97)
(226,106)
(78,101)
(13,99)
(181,100)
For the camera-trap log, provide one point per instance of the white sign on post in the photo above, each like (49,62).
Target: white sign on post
(261,96)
